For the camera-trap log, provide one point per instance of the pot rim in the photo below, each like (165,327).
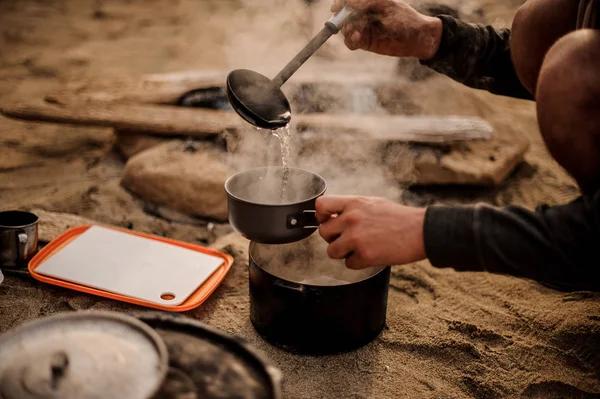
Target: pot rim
(252,260)
(230,195)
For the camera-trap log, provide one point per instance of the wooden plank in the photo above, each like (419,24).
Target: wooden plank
(154,119)
(147,89)
(169,87)
(420,129)
(195,122)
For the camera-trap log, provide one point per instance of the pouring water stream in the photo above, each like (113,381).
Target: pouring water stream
(261,102)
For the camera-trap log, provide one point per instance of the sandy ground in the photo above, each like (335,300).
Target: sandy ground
(469,335)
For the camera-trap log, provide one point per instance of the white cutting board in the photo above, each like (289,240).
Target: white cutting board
(130,265)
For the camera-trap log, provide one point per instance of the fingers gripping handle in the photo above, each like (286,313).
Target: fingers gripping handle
(345,15)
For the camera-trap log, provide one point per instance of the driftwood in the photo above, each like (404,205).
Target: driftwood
(142,112)
(419,129)
(197,122)
(168,88)
(149,118)
(148,89)
(145,105)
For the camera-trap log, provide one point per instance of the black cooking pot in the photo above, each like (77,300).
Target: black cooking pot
(320,317)
(256,209)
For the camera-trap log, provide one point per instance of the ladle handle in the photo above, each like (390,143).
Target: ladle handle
(338,21)
(332,27)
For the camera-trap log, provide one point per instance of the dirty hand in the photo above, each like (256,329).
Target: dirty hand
(391,27)
(369,231)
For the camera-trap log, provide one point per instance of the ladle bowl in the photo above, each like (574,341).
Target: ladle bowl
(256,100)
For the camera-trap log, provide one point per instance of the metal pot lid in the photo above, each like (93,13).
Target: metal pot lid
(83,355)
(209,364)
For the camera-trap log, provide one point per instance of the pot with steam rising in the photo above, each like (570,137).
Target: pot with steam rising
(272,206)
(307,303)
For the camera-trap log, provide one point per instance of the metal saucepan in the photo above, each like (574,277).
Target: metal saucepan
(258,99)
(256,209)
(306,303)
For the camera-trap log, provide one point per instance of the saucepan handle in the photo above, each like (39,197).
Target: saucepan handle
(305,220)
(22,237)
(338,21)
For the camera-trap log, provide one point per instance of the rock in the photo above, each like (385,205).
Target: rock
(132,143)
(480,163)
(26,145)
(31,184)
(53,224)
(172,215)
(183,176)
(359,165)
(110,204)
(11,160)
(233,244)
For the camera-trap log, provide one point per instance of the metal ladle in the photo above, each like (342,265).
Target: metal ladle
(260,100)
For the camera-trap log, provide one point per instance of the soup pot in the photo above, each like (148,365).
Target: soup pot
(263,212)
(316,307)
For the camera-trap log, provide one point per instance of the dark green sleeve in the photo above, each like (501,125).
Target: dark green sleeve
(558,246)
(477,56)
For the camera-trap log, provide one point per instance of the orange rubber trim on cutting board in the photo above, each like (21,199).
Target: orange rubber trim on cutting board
(193,301)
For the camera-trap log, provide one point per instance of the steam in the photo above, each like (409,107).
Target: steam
(265,35)
(306,262)
(268,34)
(350,164)
(265,185)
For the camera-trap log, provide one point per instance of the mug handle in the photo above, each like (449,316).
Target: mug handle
(22,246)
(305,220)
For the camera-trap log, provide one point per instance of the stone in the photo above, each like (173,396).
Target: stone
(109,204)
(132,143)
(477,163)
(184,176)
(53,224)
(233,243)
(27,145)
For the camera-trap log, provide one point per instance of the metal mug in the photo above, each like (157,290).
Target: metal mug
(18,238)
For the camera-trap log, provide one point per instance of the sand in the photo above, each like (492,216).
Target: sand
(448,334)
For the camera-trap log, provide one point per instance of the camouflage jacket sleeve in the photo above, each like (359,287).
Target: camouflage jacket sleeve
(477,56)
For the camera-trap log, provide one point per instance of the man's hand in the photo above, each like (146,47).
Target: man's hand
(391,27)
(369,231)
